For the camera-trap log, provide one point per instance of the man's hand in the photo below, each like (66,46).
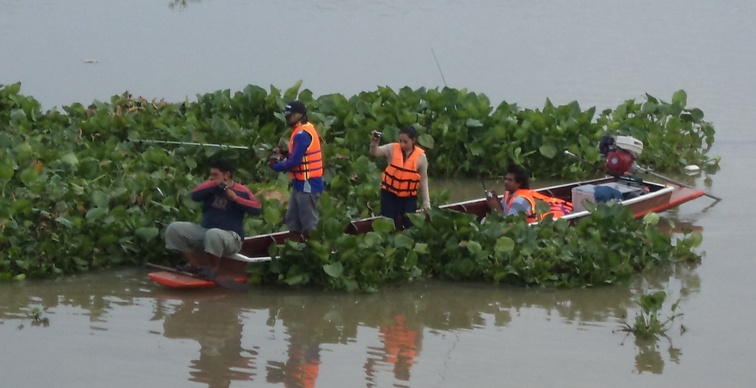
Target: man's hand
(492,199)
(229,191)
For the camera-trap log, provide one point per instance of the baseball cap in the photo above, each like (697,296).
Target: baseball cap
(295,107)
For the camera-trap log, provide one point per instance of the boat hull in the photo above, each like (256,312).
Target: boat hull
(255,249)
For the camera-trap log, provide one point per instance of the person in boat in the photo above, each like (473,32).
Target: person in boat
(220,232)
(405,176)
(519,198)
(304,162)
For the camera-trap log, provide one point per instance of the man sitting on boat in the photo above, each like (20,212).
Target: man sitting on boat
(518,198)
(220,232)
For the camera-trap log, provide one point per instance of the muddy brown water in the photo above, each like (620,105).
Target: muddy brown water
(116,328)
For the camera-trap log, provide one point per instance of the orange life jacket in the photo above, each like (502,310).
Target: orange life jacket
(558,207)
(401,176)
(508,198)
(399,340)
(312,161)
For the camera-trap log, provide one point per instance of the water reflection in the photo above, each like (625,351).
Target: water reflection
(649,358)
(216,325)
(397,323)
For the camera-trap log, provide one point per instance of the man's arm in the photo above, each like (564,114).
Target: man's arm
(422,167)
(301,141)
(204,190)
(245,201)
(386,150)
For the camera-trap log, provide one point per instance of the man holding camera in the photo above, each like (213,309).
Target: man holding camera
(220,231)
(304,162)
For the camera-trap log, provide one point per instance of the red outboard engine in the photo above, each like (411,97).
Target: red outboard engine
(620,153)
(618,162)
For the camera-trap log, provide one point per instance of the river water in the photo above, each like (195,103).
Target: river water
(116,328)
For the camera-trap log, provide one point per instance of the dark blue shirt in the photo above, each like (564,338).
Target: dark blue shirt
(301,141)
(219,211)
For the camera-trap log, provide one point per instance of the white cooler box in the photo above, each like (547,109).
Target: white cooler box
(585,192)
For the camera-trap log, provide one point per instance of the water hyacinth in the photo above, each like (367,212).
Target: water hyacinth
(80,191)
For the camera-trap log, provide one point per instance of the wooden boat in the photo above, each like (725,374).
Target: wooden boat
(255,249)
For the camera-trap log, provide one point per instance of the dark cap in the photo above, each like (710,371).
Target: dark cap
(295,107)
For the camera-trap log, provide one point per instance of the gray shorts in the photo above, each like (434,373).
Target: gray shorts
(188,237)
(302,215)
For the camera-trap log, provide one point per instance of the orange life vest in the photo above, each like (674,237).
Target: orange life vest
(401,176)
(558,207)
(312,161)
(399,340)
(508,198)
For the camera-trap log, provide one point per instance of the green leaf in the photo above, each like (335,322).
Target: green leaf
(22,205)
(295,280)
(473,123)
(417,219)
(383,225)
(6,172)
(191,163)
(17,115)
(100,199)
(651,219)
(28,176)
(504,244)
(147,233)
(421,248)
(65,222)
(334,270)
(96,213)
(426,141)
(271,215)
(548,150)
(402,241)
(476,149)
(70,158)
(680,97)
(372,238)
(351,285)
(474,247)
(696,238)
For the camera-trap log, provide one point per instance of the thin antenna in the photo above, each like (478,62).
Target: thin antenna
(439,67)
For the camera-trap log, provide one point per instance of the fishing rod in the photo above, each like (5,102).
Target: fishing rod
(221,146)
(439,67)
(645,170)
(485,190)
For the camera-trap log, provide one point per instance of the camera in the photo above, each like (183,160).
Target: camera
(377,135)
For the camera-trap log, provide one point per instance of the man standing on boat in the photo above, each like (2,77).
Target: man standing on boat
(518,197)
(405,175)
(220,231)
(304,163)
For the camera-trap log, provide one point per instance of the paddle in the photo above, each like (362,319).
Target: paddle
(647,171)
(222,282)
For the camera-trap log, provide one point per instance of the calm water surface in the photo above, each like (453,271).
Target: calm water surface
(116,328)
